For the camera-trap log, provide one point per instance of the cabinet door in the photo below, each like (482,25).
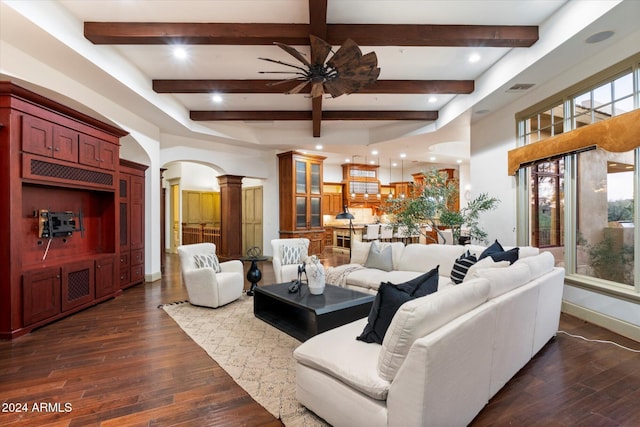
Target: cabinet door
(97,153)
(108,155)
(89,151)
(136,212)
(40,294)
(37,136)
(65,144)
(106,276)
(77,284)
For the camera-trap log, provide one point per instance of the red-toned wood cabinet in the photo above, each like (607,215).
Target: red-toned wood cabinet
(59,166)
(131,197)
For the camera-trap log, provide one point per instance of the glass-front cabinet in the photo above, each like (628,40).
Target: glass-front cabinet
(301,197)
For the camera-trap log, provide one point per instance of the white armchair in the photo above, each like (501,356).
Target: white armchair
(284,269)
(204,286)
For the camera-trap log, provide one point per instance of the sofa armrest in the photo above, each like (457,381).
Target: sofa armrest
(276,262)
(445,378)
(233,266)
(199,277)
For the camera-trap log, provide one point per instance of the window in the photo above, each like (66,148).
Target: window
(596,239)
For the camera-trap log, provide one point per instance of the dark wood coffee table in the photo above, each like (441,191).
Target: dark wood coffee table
(303,315)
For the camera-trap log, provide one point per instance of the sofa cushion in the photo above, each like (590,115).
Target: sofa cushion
(420,316)
(388,299)
(336,353)
(461,267)
(422,258)
(379,257)
(503,280)
(360,251)
(487,262)
(539,264)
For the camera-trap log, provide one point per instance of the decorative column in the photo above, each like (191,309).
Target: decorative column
(230,217)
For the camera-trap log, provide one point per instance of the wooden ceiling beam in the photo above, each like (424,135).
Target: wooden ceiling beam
(307,115)
(141,33)
(434,35)
(264,86)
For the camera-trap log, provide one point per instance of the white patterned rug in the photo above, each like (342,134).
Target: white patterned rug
(258,356)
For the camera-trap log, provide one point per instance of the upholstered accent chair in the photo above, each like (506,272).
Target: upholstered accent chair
(287,256)
(209,283)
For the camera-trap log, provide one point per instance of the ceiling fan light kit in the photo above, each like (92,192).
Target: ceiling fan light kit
(347,71)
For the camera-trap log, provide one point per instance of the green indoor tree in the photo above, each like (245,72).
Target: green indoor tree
(432,204)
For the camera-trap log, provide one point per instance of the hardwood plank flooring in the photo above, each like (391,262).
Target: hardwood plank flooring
(125,362)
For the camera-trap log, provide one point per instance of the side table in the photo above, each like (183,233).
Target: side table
(254,275)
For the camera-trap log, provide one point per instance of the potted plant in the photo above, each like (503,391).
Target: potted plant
(433,204)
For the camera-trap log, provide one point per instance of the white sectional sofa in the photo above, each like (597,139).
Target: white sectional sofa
(444,355)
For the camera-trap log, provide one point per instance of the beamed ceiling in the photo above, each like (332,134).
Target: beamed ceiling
(243,34)
(113,59)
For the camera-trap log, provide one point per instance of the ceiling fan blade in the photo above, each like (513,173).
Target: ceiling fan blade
(298,88)
(284,63)
(293,52)
(319,49)
(348,52)
(317,90)
(336,87)
(284,81)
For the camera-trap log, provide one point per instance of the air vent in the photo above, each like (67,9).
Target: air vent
(520,87)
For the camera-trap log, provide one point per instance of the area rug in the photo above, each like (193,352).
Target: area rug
(258,356)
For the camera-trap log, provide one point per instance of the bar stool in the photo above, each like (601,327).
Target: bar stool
(373,232)
(386,232)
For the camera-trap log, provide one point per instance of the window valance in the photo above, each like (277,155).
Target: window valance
(617,134)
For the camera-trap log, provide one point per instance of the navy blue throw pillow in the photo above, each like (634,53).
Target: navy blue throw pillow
(387,302)
(511,255)
(494,248)
(422,285)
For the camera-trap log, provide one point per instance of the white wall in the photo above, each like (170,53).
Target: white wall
(495,134)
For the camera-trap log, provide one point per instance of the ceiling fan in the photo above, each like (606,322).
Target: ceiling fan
(347,71)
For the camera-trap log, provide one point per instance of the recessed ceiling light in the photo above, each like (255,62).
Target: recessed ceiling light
(599,37)
(318,146)
(432,99)
(347,160)
(458,161)
(474,57)
(403,155)
(372,162)
(374,152)
(180,52)
(394,164)
(432,158)
(217,98)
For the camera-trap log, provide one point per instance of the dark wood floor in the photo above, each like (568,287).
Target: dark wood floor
(125,362)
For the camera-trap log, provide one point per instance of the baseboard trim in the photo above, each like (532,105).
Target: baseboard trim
(153,276)
(618,326)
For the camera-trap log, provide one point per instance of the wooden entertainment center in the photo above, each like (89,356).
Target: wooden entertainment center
(73,217)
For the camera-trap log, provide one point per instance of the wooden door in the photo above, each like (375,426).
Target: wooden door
(252,218)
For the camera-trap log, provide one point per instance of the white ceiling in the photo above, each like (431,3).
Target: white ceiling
(52,32)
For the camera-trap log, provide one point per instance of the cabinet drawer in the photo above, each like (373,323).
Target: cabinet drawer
(137,272)
(124,277)
(124,260)
(137,257)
